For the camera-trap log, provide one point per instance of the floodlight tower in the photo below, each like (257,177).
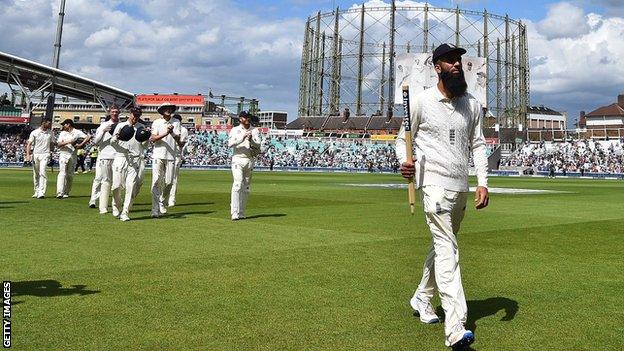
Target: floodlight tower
(55,58)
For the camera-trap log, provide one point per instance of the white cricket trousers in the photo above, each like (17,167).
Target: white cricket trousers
(241,173)
(65,178)
(162,179)
(40,178)
(444,211)
(174,185)
(97,183)
(125,176)
(139,180)
(106,179)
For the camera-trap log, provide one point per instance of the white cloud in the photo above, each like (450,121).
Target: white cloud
(580,73)
(164,46)
(564,20)
(102,38)
(196,45)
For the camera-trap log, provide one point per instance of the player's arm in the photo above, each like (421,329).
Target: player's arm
(115,138)
(236,138)
(157,137)
(478,147)
(181,141)
(31,138)
(99,134)
(87,138)
(61,143)
(255,138)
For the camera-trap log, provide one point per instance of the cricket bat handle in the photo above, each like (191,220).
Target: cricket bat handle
(411,190)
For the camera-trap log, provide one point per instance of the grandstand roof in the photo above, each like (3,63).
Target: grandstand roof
(610,110)
(542,110)
(35,76)
(382,123)
(315,122)
(339,123)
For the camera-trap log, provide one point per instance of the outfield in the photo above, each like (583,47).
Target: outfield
(317,266)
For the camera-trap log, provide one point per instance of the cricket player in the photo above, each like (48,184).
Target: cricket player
(179,158)
(38,151)
(446,126)
(105,159)
(68,141)
(97,180)
(245,140)
(165,136)
(127,164)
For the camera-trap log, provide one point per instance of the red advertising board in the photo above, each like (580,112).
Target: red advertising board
(180,100)
(13,120)
(491,141)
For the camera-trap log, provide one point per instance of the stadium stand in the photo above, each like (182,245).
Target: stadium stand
(209,149)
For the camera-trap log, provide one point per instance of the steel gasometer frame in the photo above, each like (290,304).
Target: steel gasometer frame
(348,56)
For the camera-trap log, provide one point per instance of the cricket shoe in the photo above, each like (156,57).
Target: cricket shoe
(156,214)
(40,197)
(34,195)
(115,213)
(162,209)
(124,217)
(65,196)
(92,206)
(424,310)
(467,339)
(59,196)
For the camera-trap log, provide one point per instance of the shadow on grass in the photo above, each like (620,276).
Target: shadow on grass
(478,309)
(176,215)
(179,205)
(47,288)
(266,215)
(13,202)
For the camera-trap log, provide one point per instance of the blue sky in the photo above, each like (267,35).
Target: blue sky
(253,48)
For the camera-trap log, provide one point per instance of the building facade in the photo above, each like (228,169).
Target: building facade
(273,119)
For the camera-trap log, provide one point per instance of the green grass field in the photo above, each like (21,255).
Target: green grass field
(317,266)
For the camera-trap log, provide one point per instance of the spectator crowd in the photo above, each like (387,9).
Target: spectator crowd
(582,156)
(210,149)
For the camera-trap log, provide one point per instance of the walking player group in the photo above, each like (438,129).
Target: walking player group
(120,164)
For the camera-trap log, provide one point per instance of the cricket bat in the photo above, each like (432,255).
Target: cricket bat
(407,125)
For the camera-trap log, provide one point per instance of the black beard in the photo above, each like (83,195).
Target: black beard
(454,83)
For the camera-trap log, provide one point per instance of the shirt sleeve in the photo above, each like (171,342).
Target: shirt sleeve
(255,137)
(236,137)
(399,144)
(31,137)
(81,134)
(99,134)
(479,149)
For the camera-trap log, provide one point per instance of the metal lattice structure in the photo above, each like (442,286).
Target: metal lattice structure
(348,57)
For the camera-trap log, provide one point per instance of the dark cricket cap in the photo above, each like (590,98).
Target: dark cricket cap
(68,121)
(126,133)
(446,49)
(244,114)
(142,135)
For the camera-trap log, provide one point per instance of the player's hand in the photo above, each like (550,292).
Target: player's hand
(482,197)
(170,128)
(107,128)
(28,158)
(408,170)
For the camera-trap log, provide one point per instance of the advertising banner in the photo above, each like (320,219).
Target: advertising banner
(180,100)
(383,137)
